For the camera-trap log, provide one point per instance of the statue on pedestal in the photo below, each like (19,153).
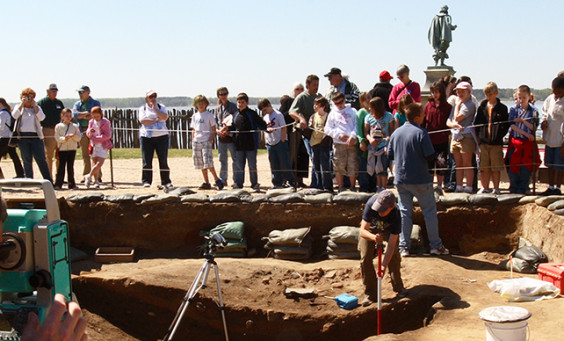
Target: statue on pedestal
(440,35)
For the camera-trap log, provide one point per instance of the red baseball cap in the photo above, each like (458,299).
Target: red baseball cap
(385,75)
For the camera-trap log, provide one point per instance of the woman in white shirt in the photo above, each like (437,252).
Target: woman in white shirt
(31,142)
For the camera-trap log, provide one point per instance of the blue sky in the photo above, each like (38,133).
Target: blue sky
(184,48)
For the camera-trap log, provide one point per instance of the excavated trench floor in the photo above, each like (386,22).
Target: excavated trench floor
(137,301)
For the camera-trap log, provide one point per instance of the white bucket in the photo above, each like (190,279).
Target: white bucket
(509,331)
(505,323)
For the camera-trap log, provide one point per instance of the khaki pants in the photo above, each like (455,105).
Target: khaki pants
(50,147)
(84,142)
(368,271)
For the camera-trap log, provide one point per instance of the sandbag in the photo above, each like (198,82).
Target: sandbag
(545,201)
(288,237)
(334,247)
(288,198)
(320,198)
(311,191)
(556,205)
(86,198)
(292,250)
(255,198)
(225,197)
(181,191)
(161,199)
(307,242)
(234,230)
(345,234)
(197,197)
(528,199)
(141,197)
(455,199)
(352,197)
(482,199)
(526,260)
(509,199)
(271,193)
(121,199)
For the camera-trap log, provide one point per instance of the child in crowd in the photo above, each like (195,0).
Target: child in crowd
(341,126)
(437,111)
(400,117)
(463,142)
(321,144)
(377,128)
(67,135)
(100,133)
(491,126)
(551,125)
(245,124)
(203,132)
(522,156)
(276,145)
(366,183)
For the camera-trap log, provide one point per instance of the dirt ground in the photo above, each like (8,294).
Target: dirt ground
(137,301)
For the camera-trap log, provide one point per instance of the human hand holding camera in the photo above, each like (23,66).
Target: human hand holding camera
(63,322)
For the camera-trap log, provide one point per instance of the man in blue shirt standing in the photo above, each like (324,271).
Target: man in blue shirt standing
(81,113)
(411,148)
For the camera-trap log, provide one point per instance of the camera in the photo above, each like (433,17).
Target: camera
(218,239)
(214,241)
(26,98)
(34,260)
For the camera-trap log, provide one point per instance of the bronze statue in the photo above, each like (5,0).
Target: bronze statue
(440,35)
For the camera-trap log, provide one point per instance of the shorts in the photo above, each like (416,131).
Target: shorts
(345,159)
(552,158)
(466,145)
(202,155)
(99,151)
(491,157)
(439,165)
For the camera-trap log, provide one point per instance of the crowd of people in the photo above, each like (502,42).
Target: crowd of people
(344,134)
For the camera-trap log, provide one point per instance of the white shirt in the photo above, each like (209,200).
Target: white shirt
(553,110)
(29,119)
(274,120)
(202,123)
(341,122)
(153,130)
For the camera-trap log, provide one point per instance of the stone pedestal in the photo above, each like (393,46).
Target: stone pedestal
(434,73)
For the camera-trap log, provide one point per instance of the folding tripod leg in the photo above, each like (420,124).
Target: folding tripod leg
(199,282)
(221,306)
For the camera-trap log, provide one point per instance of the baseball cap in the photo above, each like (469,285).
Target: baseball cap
(333,71)
(84,88)
(385,75)
(384,201)
(150,92)
(52,87)
(464,85)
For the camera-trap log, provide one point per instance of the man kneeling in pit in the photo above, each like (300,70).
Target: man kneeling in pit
(381,218)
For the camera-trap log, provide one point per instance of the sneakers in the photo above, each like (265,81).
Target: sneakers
(219,183)
(205,185)
(468,189)
(57,188)
(256,188)
(497,192)
(404,252)
(146,185)
(459,189)
(485,190)
(442,250)
(87,181)
(551,191)
(96,184)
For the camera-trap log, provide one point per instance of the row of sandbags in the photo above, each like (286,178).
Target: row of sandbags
(342,242)
(234,233)
(289,244)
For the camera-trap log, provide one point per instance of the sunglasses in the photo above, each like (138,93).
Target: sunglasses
(81,92)
(153,96)
(339,102)
(223,94)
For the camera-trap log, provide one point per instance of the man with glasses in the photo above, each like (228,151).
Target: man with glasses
(344,86)
(51,107)
(405,86)
(81,113)
(224,117)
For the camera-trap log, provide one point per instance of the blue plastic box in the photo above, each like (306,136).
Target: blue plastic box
(347,301)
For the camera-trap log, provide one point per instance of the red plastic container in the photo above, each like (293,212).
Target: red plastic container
(553,273)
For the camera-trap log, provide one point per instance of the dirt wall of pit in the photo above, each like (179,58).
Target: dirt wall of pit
(465,229)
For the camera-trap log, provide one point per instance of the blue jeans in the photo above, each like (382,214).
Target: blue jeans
(518,182)
(241,160)
(222,150)
(150,145)
(322,167)
(314,183)
(280,167)
(425,196)
(32,147)
(364,180)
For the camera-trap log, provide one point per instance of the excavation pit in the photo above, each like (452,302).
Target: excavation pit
(138,300)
